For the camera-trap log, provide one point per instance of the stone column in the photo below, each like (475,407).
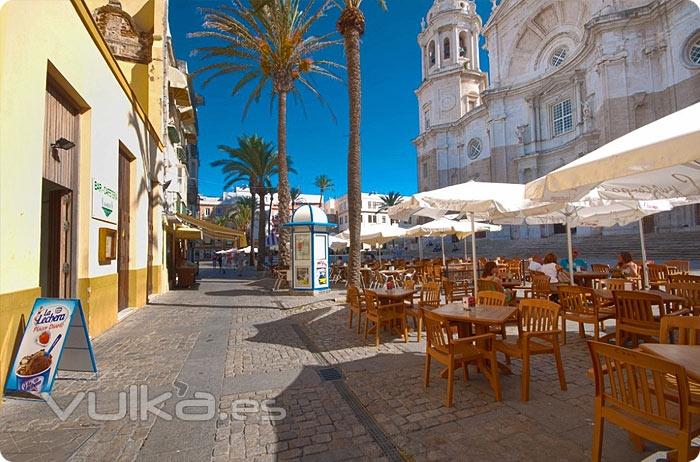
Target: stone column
(476,52)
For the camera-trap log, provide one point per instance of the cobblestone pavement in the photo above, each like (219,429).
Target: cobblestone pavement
(258,353)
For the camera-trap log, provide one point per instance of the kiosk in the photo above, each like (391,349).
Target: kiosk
(310,265)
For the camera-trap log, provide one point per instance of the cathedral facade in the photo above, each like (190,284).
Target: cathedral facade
(565,77)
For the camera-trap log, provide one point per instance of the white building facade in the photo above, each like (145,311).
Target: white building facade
(566,77)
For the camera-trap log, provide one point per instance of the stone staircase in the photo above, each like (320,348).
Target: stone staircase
(660,247)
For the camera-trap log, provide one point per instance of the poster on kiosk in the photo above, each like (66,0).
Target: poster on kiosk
(56,337)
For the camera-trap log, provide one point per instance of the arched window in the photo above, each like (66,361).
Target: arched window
(462,44)
(431,53)
(446,48)
(559,56)
(694,52)
(474,148)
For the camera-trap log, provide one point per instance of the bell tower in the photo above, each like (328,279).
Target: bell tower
(452,78)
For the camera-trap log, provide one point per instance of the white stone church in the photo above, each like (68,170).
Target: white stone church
(565,77)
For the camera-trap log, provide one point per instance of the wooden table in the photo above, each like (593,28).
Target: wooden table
(671,302)
(481,316)
(586,278)
(683,355)
(393,295)
(512,284)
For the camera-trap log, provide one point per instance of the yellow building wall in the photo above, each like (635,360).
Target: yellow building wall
(58,35)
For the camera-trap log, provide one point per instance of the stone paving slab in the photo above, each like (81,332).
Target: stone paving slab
(231,337)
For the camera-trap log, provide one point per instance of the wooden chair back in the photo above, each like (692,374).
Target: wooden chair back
(515,268)
(689,291)
(438,336)
(541,286)
(502,271)
(575,299)
(635,314)
(688,328)
(490,297)
(600,267)
(633,396)
(437,273)
(366,278)
(371,303)
(489,285)
(353,297)
(613,283)
(430,294)
(657,272)
(679,266)
(538,315)
(688,278)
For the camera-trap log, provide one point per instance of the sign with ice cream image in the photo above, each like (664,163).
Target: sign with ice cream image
(47,346)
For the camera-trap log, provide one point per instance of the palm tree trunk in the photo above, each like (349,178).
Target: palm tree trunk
(251,256)
(269,217)
(352,53)
(261,233)
(283,183)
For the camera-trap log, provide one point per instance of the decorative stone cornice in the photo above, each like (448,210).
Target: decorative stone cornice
(119,30)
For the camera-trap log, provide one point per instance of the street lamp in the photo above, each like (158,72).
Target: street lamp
(62,144)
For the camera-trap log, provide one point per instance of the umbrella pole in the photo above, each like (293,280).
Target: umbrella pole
(474,275)
(571,252)
(420,248)
(380,252)
(465,249)
(644,255)
(442,245)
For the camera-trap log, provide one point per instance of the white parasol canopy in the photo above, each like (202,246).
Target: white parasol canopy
(660,160)
(337,242)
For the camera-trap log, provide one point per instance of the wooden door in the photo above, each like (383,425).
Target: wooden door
(60,251)
(123,230)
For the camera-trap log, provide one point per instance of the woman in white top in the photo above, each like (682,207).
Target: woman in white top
(550,267)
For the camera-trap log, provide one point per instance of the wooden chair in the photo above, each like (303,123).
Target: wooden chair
(679,266)
(658,275)
(538,334)
(494,298)
(455,353)
(689,291)
(541,287)
(429,300)
(613,283)
(355,305)
(683,330)
(631,399)
(578,304)
(491,297)
(454,291)
(689,278)
(382,315)
(600,268)
(489,285)
(281,281)
(635,317)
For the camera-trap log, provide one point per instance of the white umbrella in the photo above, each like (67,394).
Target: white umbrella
(336,242)
(246,250)
(481,201)
(376,234)
(591,211)
(445,227)
(660,160)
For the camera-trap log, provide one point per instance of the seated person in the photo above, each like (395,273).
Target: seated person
(579,263)
(535,263)
(489,274)
(626,266)
(550,267)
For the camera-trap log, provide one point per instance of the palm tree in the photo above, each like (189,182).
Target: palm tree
(242,214)
(388,200)
(221,220)
(323,183)
(268,42)
(294,194)
(351,25)
(253,161)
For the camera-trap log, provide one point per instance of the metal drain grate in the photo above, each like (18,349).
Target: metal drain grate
(365,418)
(329,374)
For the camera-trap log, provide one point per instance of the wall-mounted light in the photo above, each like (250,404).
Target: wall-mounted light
(62,144)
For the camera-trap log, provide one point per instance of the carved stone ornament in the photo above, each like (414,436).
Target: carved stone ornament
(121,33)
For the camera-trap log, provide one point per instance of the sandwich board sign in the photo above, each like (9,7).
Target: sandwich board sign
(56,337)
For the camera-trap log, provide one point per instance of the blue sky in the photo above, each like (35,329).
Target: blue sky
(316,142)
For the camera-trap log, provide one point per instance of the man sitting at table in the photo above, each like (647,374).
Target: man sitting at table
(535,263)
(579,263)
